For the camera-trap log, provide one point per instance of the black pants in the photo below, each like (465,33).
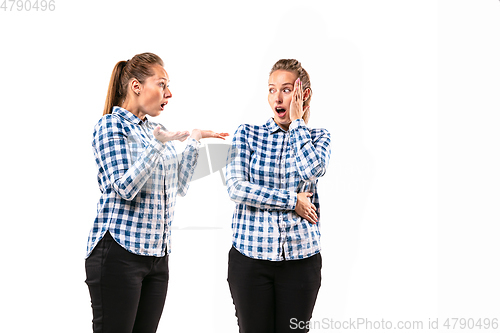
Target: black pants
(271,297)
(127,290)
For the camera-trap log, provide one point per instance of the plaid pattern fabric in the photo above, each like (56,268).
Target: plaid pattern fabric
(267,168)
(139,178)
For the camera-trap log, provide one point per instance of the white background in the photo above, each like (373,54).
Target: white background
(408,89)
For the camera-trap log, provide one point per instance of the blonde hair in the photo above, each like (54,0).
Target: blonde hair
(139,67)
(294,66)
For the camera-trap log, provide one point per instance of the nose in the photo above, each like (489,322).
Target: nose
(168,93)
(278,98)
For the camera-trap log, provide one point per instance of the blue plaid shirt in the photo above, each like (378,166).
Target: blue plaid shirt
(268,167)
(139,178)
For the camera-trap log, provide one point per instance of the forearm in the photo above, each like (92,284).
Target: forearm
(187,165)
(311,157)
(261,197)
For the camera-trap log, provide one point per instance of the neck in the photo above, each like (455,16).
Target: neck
(133,108)
(283,126)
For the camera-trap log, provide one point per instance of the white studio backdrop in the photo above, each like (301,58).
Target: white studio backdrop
(408,90)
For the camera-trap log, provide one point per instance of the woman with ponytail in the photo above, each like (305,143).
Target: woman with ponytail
(275,263)
(139,176)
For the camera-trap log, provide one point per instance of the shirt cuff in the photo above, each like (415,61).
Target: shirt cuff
(297,123)
(292,202)
(193,142)
(157,145)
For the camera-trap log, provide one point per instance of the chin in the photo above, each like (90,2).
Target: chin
(282,121)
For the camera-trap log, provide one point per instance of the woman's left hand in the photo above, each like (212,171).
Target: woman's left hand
(296,109)
(198,134)
(163,136)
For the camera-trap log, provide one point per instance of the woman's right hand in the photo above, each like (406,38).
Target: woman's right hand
(164,136)
(304,208)
(202,134)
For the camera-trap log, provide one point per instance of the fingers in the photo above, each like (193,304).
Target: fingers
(294,92)
(306,209)
(301,92)
(212,134)
(159,134)
(164,136)
(311,217)
(310,220)
(181,136)
(298,90)
(221,135)
(156,131)
(296,110)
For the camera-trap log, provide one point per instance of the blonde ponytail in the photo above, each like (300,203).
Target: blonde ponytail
(114,88)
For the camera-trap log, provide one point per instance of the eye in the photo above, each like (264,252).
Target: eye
(271,90)
(287,90)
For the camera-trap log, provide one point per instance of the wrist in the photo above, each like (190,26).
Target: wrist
(296,123)
(159,140)
(196,134)
(294,200)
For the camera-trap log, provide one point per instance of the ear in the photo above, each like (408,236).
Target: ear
(307,94)
(135,86)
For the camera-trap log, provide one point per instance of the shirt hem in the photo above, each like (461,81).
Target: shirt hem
(279,259)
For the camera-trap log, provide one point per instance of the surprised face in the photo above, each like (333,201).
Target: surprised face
(280,96)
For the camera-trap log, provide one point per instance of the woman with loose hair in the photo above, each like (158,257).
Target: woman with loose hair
(274,271)
(139,175)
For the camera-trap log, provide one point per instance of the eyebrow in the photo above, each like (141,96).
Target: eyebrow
(284,84)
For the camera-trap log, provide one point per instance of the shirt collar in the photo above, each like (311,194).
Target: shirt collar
(272,126)
(127,115)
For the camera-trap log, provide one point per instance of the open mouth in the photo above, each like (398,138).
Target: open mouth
(163,105)
(280,111)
